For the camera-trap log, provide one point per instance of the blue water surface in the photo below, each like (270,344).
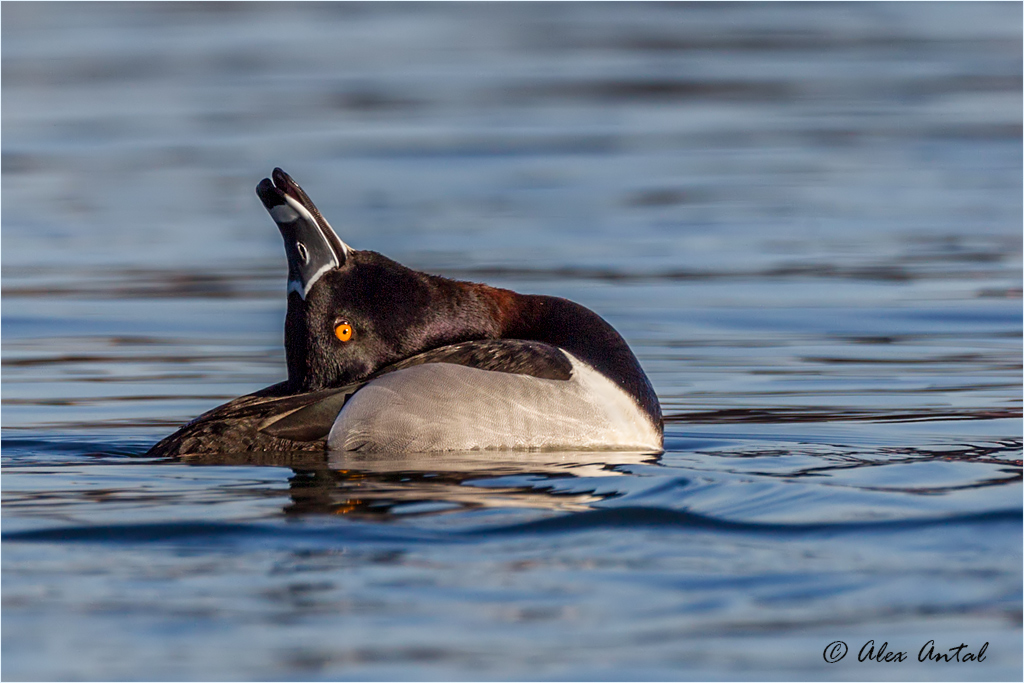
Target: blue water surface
(805,219)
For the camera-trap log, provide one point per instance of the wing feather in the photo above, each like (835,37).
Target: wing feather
(270,420)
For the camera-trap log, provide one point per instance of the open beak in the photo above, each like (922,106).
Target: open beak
(309,241)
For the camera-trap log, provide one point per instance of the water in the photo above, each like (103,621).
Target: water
(804,218)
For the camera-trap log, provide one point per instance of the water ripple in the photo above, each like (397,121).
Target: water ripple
(629,518)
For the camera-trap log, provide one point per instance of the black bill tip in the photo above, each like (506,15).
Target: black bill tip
(311,245)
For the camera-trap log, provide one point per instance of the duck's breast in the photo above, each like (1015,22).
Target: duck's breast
(444,406)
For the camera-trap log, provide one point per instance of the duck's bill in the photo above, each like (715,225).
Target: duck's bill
(311,244)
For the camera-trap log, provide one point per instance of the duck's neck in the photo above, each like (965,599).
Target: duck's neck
(579,331)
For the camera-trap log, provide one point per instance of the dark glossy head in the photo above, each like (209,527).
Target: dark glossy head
(352,312)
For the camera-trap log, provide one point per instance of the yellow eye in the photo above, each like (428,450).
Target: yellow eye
(343,331)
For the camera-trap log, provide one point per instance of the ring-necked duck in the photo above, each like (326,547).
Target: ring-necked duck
(384,358)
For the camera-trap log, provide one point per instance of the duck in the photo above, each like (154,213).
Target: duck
(384,358)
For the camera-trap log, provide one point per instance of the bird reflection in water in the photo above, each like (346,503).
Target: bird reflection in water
(383,486)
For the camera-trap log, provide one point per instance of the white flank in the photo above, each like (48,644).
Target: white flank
(444,407)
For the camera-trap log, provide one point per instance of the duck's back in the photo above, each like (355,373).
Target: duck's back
(488,394)
(444,406)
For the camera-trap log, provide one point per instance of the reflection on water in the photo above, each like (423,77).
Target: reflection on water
(805,219)
(371,485)
(387,485)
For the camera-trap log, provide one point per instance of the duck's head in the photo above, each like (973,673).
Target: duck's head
(352,312)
